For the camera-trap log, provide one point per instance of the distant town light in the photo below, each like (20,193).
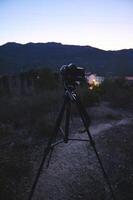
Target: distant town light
(93,81)
(38,77)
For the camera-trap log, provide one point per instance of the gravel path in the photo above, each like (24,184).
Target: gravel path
(72,169)
(74,172)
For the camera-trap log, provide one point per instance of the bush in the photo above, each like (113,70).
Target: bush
(90,97)
(119,92)
(46,79)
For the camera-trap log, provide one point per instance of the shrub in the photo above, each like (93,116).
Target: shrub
(45,79)
(118,92)
(90,97)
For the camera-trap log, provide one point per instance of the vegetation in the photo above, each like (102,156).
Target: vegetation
(118,92)
(27,120)
(25,123)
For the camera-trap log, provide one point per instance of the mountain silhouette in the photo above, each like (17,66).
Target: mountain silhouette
(16,58)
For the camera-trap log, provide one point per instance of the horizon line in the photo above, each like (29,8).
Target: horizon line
(65,44)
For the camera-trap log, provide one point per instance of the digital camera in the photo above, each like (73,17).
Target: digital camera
(71,74)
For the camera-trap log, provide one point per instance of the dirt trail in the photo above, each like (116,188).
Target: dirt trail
(97,129)
(74,172)
(70,170)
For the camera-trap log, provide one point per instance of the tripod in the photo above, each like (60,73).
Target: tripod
(70,96)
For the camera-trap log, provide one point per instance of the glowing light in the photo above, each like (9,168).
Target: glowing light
(93,81)
(38,77)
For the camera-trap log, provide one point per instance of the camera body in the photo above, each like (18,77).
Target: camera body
(71,74)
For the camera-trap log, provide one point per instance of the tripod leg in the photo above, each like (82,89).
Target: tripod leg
(48,148)
(68,109)
(83,114)
(50,156)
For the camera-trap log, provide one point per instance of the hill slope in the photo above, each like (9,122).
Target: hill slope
(16,57)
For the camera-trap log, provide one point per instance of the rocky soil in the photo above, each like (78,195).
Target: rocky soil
(74,172)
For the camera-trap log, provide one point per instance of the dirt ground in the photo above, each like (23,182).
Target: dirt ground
(74,172)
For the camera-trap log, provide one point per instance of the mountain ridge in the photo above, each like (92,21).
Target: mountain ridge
(16,57)
(59,43)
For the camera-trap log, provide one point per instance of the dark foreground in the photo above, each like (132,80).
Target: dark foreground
(74,172)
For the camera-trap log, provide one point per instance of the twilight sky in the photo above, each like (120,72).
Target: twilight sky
(105,24)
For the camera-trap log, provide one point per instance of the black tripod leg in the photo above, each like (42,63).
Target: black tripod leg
(50,156)
(48,148)
(83,114)
(68,110)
